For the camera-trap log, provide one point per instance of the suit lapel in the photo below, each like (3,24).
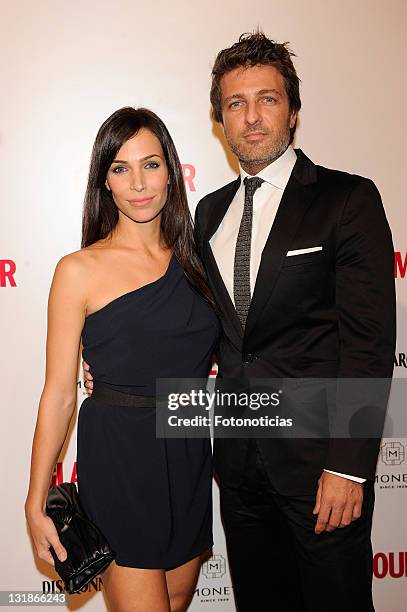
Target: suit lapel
(219,205)
(231,322)
(298,195)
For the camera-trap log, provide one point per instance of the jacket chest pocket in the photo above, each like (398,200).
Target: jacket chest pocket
(302,259)
(302,278)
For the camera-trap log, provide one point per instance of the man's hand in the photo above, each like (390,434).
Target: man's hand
(87,377)
(339,502)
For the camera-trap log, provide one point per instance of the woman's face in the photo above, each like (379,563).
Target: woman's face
(138,177)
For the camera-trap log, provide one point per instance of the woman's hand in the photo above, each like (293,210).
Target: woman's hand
(44,534)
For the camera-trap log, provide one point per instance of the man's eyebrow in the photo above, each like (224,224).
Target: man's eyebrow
(261,92)
(236,95)
(266,91)
(123,161)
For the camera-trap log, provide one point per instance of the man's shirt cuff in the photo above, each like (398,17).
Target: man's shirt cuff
(354,478)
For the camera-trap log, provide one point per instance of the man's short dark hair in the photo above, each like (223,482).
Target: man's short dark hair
(253,49)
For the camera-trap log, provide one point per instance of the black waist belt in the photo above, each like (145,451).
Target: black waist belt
(106,395)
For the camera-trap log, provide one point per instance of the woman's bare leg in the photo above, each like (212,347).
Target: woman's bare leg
(129,589)
(181,583)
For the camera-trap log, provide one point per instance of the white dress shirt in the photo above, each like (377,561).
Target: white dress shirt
(266,200)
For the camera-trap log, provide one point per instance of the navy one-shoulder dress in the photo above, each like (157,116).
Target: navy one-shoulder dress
(151,497)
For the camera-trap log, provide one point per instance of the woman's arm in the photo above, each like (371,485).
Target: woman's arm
(66,315)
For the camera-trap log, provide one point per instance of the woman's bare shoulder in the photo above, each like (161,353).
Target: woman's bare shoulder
(72,272)
(82,262)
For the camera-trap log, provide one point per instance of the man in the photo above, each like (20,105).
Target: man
(300,260)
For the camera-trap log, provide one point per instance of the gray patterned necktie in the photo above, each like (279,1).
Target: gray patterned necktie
(241,272)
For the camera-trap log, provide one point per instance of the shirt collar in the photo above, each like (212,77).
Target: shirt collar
(278,172)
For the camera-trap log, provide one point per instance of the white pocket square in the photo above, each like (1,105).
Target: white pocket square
(301,251)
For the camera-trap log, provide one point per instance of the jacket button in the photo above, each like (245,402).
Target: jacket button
(249,358)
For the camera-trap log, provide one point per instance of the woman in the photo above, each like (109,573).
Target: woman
(136,295)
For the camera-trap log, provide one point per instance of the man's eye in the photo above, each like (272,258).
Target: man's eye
(152,165)
(235,104)
(118,169)
(268,99)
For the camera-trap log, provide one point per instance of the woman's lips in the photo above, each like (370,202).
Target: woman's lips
(140,201)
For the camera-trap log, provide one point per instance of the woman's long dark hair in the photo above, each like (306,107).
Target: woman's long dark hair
(100,213)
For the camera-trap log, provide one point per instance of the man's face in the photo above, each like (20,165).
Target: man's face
(256,115)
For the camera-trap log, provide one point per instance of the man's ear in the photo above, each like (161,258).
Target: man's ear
(293,118)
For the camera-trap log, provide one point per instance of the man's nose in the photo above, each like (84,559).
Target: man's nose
(252,113)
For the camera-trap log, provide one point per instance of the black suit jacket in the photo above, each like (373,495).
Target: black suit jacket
(328,313)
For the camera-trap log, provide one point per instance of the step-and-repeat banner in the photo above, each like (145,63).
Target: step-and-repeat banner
(66,66)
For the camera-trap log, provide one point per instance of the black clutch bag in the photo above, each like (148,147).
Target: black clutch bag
(87,548)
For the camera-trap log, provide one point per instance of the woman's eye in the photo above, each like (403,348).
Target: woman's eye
(152,165)
(118,169)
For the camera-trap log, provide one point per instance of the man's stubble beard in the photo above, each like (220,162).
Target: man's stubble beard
(262,154)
